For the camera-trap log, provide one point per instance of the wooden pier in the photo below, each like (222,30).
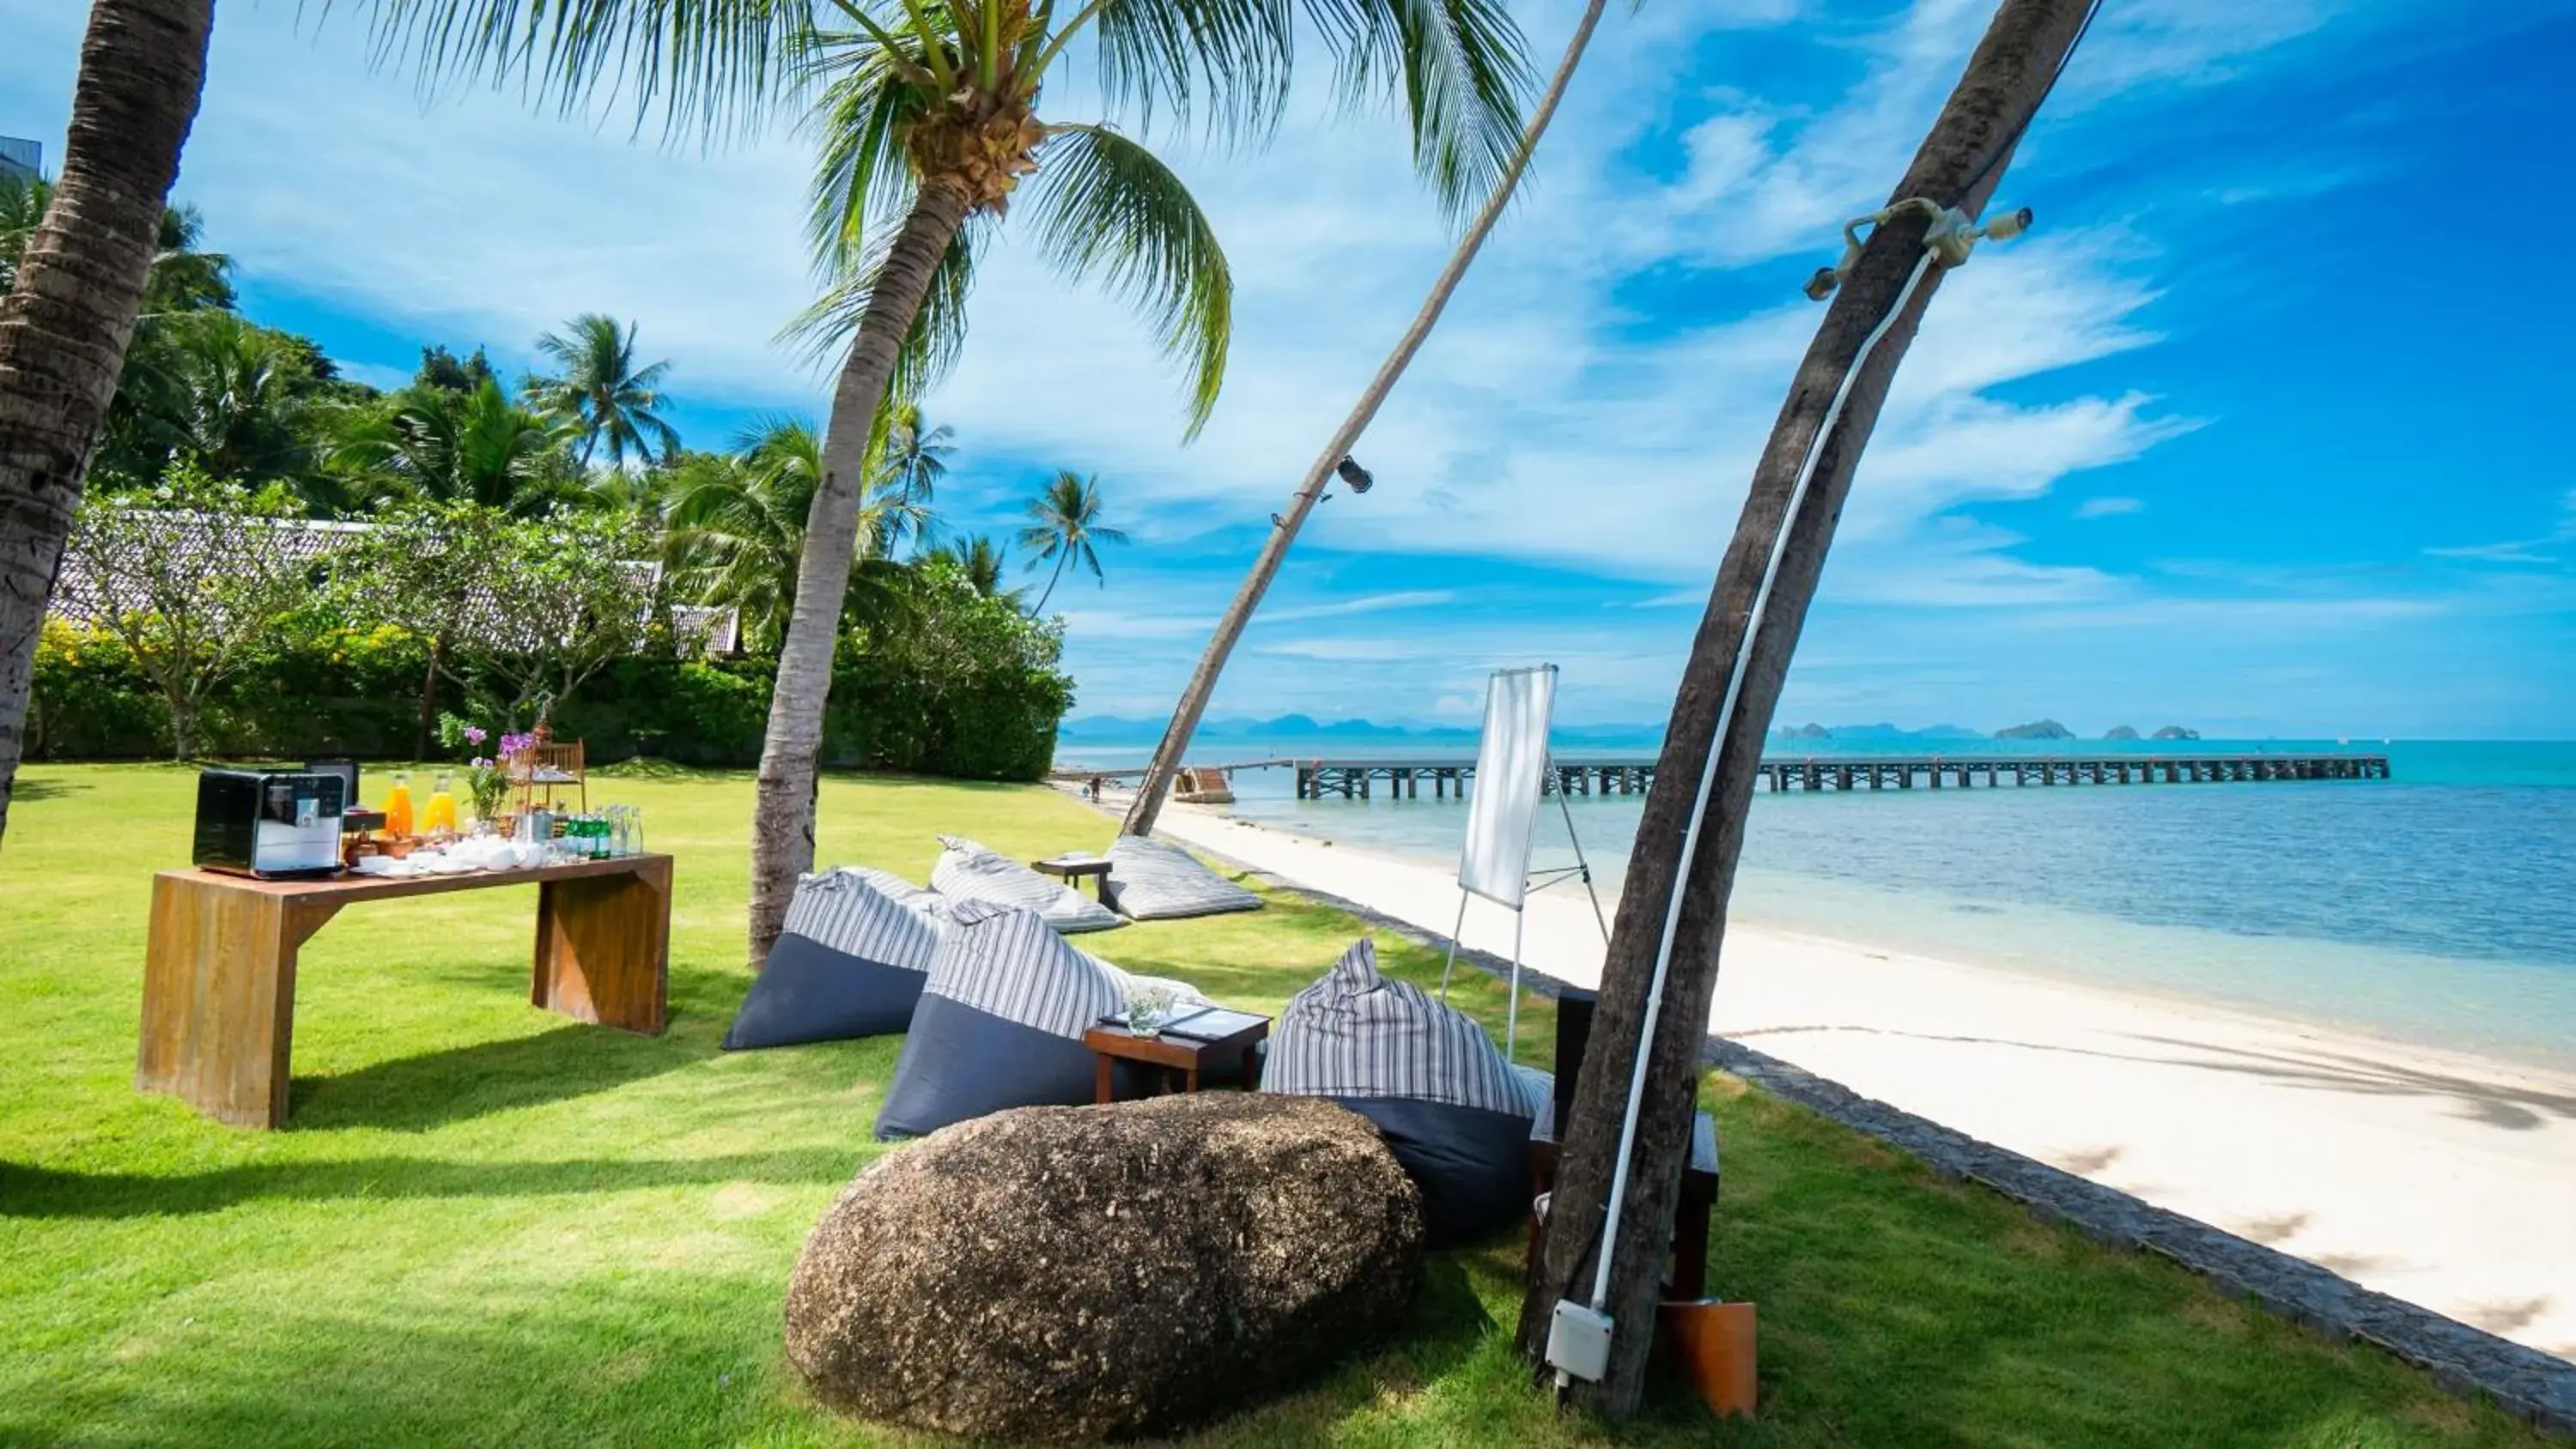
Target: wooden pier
(1403,779)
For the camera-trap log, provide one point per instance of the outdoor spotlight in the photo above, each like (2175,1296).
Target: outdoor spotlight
(1954,236)
(1822,284)
(1360,479)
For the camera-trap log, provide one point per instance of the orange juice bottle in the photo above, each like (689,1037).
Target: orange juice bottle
(398,805)
(441,813)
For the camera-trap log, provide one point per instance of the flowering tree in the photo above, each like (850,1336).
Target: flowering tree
(533,606)
(189,575)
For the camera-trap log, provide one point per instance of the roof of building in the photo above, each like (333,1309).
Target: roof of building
(83,598)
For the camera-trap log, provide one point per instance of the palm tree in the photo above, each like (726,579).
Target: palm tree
(913,458)
(473,447)
(236,395)
(183,277)
(981,560)
(929,124)
(1067,514)
(72,302)
(737,523)
(602,389)
(1166,762)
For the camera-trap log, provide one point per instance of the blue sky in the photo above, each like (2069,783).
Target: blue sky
(2252,432)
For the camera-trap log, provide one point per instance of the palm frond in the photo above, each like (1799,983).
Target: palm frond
(1462,71)
(822,332)
(711,65)
(1224,64)
(1108,210)
(867,106)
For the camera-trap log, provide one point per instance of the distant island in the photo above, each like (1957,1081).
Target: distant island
(2121,732)
(2046,729)
(2176,732)
(1881,732)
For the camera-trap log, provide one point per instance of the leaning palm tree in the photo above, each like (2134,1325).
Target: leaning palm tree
(72,301)
(1067,523)
(184,277)
(1165,764)
(929,124)
(599,385)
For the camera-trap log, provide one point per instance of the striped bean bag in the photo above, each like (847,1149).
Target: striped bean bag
(1452,1109)
(1152,881)
(1001,1020)
(968,872)
(850,963)
(921,900)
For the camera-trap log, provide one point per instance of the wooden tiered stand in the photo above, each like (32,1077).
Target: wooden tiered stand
(546,774)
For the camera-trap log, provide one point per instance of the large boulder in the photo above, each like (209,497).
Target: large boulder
(1102,1272)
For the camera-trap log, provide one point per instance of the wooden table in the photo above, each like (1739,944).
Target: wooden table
(1690,1218)
(219,972)
(1071,872)
(1174,1055)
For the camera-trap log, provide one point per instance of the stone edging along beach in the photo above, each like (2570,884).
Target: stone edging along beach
(2532,1385)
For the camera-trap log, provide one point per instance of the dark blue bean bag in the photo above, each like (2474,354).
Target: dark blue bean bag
(1000,1023)
(1452,1110)
(850,964)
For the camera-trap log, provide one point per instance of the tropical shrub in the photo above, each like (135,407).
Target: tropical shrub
(958,684)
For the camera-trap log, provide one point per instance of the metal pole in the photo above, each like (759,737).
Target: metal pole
(1453,945)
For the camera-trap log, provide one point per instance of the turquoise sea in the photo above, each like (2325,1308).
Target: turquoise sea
(2438,906)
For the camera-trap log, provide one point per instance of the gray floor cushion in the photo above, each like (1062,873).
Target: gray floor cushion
(1000,1023)
(849,964)
(1152,881)
(1454,1112)
(968,872)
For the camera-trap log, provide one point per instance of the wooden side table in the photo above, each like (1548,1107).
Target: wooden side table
(1172,1056)
(1072,870)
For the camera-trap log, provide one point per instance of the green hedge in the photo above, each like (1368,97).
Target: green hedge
(966,688)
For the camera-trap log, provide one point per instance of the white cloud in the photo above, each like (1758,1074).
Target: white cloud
(1365,604)
(2108,507)
(2521,550)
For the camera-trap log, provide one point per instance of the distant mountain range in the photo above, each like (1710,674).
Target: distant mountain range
(1881,732)
(1103,729)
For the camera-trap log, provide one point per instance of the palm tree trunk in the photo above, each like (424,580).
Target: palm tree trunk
(1157,783)
(64,326)
(782,830)
(1049,591)
(1959,164)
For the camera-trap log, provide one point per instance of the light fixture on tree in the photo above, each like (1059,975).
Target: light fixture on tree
(1954,235)
(1349,471)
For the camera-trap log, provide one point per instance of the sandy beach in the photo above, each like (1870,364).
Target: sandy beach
(2439,1177)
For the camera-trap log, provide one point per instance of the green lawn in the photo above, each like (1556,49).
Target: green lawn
(488,1225)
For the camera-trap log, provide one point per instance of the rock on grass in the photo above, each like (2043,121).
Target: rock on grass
(1102,1272)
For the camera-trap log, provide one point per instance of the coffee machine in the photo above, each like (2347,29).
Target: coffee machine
(273,824)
